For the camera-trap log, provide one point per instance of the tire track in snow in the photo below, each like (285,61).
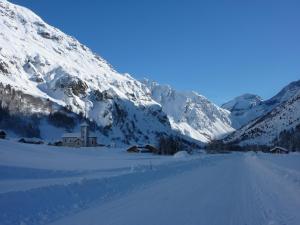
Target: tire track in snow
(214,195)
(291,175)
(277,198)
(41,205)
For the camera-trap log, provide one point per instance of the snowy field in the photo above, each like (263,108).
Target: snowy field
(40,185)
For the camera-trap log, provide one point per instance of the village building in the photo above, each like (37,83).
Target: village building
(82,139)
(279,150)
(2,134)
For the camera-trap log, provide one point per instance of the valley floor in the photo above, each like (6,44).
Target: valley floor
(64,186)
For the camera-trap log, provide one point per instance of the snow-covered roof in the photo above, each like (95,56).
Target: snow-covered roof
(71,135)
(280,148)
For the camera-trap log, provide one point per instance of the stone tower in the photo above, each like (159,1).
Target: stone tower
(85,134)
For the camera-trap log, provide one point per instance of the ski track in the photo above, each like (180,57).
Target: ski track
(231,189)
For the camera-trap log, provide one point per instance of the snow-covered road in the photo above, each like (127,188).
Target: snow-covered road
(229,189)
(236,189)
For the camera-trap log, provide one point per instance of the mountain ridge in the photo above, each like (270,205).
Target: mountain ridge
(278,114)
(45,71)
(191,113)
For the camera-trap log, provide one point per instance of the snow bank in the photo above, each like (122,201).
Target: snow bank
(181,155)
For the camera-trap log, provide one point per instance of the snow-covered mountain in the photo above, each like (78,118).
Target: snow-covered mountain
(50,70)
(44,71)
(281,112)
(248,107)
(191,113)
(243,109)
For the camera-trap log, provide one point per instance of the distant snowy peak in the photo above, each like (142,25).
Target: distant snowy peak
(248,107)
(242,109)
(265,129)
(243,102)
(269,118)
(191,113)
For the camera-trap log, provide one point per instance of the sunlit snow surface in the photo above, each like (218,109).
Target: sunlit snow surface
(191,113)
(40,184)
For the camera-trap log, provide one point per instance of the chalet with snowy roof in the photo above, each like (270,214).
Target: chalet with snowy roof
(2,134)
(279,150)
(82,139)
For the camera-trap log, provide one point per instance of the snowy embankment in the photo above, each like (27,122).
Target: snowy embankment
(40,183)
(51,185)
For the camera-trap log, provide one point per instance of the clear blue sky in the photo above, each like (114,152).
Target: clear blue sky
(220,49)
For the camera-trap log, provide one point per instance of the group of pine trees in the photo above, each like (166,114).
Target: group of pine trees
(289,139)
(25,126)
(169,145)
